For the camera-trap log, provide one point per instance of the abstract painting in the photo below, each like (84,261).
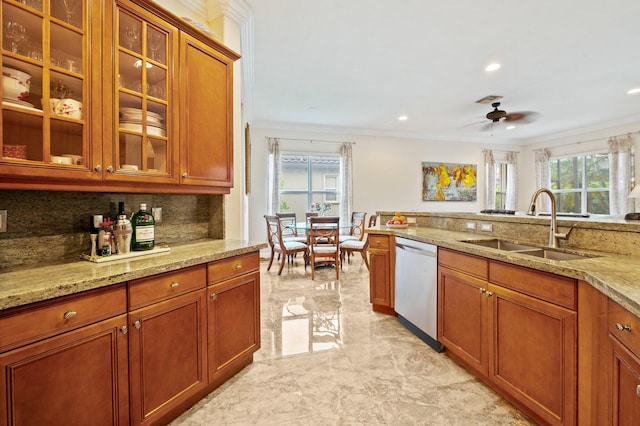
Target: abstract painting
(448,181)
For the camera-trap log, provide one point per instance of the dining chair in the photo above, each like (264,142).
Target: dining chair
(324,242)
(278,244)
(373,220)
(356,232)
(289,230)
(355,246)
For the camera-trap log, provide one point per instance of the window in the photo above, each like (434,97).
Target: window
(581,183)
(501,186)
(307,179)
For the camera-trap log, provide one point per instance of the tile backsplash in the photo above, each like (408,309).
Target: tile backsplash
(45,227)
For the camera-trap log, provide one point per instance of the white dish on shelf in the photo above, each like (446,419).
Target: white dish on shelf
(19,102)
(58,159)
(131,167)
(15,83)
(69,108)
(151,130)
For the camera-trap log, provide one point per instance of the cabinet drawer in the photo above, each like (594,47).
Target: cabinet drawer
(41,320)
(630,324)
(378,242)
(553,288)
(232,267)
(468,263)
(164,286)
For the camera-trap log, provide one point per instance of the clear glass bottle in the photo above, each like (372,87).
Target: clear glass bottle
(143,224)
(122,231)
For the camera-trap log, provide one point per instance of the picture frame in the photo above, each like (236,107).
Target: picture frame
(449,181)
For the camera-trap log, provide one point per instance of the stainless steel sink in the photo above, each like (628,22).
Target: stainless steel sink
(545,253)
(501,245)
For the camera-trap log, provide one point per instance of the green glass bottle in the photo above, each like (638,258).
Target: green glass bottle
(143,224)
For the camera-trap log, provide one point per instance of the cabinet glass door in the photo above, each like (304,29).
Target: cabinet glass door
(141,103)
(44,84)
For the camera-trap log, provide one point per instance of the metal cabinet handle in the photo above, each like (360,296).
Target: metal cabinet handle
(238,266)
(623,327)
(69,314)
(482,290)
(137,325)
(98,168)
(110,169)
(185,175)
(489,293)
(124,329)
(213,296)
(174,285)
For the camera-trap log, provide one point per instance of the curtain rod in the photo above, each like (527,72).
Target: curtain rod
(590,140)
(306,140)
(501,150)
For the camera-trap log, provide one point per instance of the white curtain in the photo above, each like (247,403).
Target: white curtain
(512,181)
(543,178)
(489,180)
(274,176)
(346,193)
(620,169)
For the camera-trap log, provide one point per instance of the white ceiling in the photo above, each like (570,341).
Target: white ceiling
(354,66)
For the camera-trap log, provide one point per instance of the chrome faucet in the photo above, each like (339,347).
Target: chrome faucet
(554,235)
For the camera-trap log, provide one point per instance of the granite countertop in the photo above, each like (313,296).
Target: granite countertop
(21,287)
(616,276)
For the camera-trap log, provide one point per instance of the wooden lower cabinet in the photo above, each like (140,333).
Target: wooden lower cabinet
(462,322)
(76,378)
(381,272)
(521,345)
(533,354)
(625,386)
(167,359)
(233,314)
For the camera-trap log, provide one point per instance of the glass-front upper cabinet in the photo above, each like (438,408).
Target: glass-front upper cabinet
(45,102)
(142,108)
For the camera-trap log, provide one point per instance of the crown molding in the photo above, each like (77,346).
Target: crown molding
(237,10)
(198,7)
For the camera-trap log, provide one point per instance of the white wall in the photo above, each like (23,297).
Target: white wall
(387,171)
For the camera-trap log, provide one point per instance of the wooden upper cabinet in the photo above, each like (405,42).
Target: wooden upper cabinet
(115,95)
(140,105)
(206,114)
(50,104)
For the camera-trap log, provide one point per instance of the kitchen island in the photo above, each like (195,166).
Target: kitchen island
(571,317)
(130,341)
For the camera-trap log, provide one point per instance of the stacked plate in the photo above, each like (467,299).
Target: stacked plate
(15,86)
(131,119)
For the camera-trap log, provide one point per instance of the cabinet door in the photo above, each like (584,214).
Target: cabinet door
(206,115)
(167,355)
(140,143)
(462,317)
(76,378)
(234,321)
(625,385)
(529,332)
(48,117)
(381,271)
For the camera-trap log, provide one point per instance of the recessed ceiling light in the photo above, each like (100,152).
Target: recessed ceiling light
(403,118)
(492,67)
(633,91)
(510,127)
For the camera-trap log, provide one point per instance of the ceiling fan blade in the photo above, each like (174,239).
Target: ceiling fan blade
(522,117)
(472,124)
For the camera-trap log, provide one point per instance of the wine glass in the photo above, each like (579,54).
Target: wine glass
(70,7)
(131,35)
(16,33)
(154,40)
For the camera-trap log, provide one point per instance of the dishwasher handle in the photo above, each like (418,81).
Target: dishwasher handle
(417,251)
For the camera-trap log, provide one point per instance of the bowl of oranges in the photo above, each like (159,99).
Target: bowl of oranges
(398,221)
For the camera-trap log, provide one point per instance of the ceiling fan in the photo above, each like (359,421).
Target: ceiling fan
(521,117)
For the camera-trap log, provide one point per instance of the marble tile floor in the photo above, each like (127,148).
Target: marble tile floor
(327,359)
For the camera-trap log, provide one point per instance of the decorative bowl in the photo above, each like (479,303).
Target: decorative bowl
(397,225)
(69,108)
(15,84)
(15,151)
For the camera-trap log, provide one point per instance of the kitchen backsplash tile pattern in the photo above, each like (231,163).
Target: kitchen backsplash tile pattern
(47,227)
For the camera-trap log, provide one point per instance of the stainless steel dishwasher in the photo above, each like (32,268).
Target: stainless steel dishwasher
(416,289)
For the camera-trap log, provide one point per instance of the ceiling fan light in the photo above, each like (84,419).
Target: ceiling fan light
(634,91)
